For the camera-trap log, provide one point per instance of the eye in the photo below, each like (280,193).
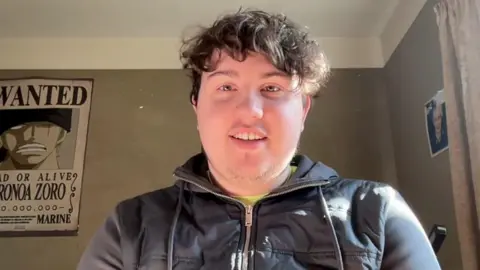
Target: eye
(271,88)
(17,127)
(226,88)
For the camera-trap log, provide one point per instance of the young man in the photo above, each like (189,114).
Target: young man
(249,201)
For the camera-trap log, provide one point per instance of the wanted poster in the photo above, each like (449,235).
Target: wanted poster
(435,114)
(43,133)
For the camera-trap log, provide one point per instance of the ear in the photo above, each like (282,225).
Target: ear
(3,141)
(194,106)
(307,103)
(61,137)
(194,102)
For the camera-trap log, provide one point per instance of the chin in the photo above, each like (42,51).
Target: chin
(250,177)
(250,162)
(253,169)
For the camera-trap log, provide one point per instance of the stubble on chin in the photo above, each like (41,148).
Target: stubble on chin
(267,176)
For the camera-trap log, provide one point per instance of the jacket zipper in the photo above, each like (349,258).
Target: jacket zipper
(248,210)
(248,233)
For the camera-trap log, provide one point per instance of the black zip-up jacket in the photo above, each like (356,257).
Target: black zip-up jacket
(315,220)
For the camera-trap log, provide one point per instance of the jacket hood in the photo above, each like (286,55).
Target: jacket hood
(196,169)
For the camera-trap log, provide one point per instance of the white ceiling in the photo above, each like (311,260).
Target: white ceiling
(145,34)
(169,18)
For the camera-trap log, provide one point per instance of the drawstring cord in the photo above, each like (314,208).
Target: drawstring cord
(171,236)
(338,252)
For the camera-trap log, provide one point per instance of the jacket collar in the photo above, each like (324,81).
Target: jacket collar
(195,172)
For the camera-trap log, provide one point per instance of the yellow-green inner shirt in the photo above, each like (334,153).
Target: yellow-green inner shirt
(251,200)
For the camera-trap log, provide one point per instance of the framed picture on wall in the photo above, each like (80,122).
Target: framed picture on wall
(436,124)
(43,134)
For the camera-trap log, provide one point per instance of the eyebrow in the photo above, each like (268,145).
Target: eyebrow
(227,72)
(274,74)
(233,73)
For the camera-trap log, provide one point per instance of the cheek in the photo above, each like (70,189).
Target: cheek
(44,134)
(53,135)
(211,124)
(286,124)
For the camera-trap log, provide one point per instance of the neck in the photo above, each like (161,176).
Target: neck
(249,187)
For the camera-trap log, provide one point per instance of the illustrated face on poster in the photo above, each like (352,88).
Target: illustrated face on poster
(30,139)
(436,124)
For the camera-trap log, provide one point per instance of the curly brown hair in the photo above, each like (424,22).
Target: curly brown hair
(287,46)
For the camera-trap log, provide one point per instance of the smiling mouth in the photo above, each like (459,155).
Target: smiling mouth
(32,147)
(248,136)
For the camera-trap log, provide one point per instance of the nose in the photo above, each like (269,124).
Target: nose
(251,106)
(29,133)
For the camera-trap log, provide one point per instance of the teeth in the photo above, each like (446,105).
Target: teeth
(247,136)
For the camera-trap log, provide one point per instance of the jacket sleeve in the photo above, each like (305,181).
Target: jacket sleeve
(104,250)
(406,243)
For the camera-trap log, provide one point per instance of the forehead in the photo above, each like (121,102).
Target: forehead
(255,63)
